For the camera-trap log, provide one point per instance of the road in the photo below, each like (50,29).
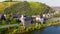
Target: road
(54,19)
(12,25)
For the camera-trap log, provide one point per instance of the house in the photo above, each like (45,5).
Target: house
(49,15)
(38,19)
(3,17)
(26,21)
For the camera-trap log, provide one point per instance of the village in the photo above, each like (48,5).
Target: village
(26,20)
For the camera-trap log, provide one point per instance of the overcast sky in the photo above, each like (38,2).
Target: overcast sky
(48,2)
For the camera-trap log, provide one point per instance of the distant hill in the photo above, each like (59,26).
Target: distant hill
(56,8)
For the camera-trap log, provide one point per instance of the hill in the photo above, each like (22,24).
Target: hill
(56,8)
(28,8)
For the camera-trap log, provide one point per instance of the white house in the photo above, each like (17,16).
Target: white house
(49,15)
(26,21)
(38,19)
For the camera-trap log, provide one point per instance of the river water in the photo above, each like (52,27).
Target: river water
(48,30)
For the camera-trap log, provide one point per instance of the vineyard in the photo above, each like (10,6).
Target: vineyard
(28,8)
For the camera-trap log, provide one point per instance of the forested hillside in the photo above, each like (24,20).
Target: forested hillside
(28,8)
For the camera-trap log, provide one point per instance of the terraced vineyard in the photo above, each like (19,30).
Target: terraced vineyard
(4,5)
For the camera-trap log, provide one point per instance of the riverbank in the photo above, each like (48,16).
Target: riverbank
(35,27)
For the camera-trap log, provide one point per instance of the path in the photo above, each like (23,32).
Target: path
(12,25)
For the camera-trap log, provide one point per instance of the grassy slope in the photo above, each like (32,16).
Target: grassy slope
(39,8)
(29,7)
(4,5)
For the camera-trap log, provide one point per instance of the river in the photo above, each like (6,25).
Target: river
(48,30)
